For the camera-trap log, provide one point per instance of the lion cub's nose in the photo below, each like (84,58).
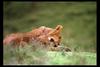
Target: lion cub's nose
(55,45)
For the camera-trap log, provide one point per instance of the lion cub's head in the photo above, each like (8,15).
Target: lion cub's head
(53,38)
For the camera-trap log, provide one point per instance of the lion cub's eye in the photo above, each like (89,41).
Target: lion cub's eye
(60,37)
(51,39)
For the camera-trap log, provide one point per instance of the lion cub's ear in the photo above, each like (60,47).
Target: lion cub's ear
(57,30)
(59,27)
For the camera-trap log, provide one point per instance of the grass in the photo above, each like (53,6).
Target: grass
(27,55)
(30,55)
(72,58)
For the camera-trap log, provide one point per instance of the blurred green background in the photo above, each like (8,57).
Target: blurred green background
(77,18)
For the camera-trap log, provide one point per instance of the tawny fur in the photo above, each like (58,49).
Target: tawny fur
(42,34)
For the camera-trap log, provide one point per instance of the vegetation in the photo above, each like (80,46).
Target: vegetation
(32,56)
